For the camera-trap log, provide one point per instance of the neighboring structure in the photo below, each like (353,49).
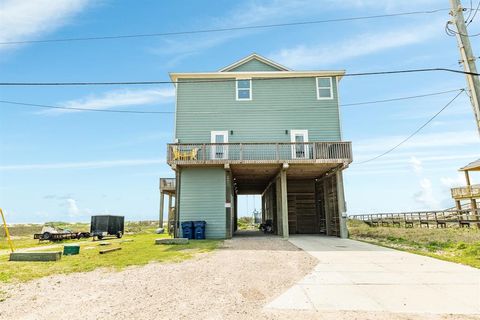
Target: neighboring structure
(470,192)
(256,127)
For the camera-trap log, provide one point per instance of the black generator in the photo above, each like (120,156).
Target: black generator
(107,225)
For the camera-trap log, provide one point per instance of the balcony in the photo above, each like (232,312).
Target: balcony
(260,153)
(467,192)
(167,185)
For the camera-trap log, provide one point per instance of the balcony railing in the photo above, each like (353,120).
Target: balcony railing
(466,192)
(167,184)
(217,153)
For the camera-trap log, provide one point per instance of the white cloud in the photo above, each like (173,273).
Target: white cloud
(416,164)
(248,13)
(26,20)
(442,139)
(320,55)
(449,182)
(425,195)
(83,165)
(117,98)
(72,207)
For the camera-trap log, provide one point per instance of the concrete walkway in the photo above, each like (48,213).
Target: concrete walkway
(353,275)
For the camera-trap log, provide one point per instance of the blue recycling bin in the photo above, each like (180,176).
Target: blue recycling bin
(187,229)
(199,229)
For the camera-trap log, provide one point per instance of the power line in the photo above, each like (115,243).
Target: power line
(265,26)
(415,132)
(25,104)
(226,80)
(400,98)
(79,109)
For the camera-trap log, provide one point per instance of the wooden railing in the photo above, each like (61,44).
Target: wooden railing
(167,184)
(442,219)
(309,152)
(466,192)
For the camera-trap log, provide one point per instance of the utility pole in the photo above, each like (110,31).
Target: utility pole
(467,58)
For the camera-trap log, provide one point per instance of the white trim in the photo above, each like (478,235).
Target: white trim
(250,89)
(339,110)
(304,133)
(175,138)
(259,58)
(331,88)
(174,76)
(213,152)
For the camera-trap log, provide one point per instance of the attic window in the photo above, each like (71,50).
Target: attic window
(244,89)
(324,88)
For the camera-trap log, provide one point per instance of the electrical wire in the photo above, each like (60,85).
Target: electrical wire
(189,32)
(414,133)
(172,112)
(227,80)
(399,98)
(475,13)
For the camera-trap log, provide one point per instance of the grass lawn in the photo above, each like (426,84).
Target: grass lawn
(461,245)
(141,250)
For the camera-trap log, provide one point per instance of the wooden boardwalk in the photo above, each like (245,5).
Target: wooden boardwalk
(439,219)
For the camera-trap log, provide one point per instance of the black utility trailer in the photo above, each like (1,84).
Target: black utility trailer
(107,225)
(52,236)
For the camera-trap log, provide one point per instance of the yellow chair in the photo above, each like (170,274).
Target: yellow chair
(177,155)
(184,155)
(193,154)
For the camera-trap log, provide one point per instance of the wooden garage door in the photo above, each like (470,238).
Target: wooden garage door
(302,217)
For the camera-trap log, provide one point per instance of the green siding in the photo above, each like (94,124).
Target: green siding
(277,105)
(202,197)
(254,65)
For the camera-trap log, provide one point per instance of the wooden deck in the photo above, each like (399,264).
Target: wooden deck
(260,153)
(466,192)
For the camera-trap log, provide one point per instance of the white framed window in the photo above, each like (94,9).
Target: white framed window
(324,88)
(243,89)
(219,150)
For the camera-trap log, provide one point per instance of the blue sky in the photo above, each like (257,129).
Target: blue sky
(69,165)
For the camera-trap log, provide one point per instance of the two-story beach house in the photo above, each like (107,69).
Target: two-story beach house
(257,127)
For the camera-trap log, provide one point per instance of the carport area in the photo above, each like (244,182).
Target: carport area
(296,198)
(352,275)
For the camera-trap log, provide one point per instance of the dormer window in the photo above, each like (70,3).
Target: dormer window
(324,88)
(244,89)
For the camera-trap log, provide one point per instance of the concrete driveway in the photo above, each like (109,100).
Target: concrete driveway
(353,275)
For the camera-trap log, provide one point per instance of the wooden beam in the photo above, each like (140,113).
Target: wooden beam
(283,187)
(467,178)
(109,250)
(35,256)
(162,201)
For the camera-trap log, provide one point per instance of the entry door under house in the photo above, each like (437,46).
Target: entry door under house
(219,151)
(300,148)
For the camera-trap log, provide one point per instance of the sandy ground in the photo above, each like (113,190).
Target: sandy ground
(234,282)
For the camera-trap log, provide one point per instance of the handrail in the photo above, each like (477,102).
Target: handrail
(463,217)
(245,152)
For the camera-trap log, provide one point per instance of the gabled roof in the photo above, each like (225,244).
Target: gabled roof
(258,57)
(472,166)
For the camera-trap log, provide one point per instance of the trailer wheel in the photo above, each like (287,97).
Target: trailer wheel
(99,237)
(46,236)
(119,234)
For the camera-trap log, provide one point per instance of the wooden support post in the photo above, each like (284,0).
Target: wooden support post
(162,201)
(326,206)
(458,205)
(342,210)
(283,187)
(170,201)
(467,178)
